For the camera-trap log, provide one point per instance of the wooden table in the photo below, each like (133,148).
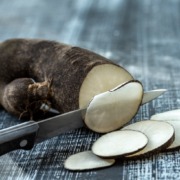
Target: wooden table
(142,36)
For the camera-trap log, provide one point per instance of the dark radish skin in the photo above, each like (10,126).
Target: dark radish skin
(36,72)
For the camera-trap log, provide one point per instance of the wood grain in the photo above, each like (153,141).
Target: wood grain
(142,36)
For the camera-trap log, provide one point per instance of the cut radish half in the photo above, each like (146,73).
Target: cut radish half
(111,110)
(160,135)
(168,115)
(119,143)
(100,79)
(86,160)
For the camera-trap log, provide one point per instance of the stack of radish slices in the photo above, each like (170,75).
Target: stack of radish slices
(110,111)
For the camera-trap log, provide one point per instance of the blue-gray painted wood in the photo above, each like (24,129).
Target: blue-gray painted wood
(142,36)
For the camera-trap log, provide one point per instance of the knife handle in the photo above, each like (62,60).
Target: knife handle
(21,136)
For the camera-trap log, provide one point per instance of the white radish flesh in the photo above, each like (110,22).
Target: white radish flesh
(172,117)
(100,79)
(86,160)
(168,115)
(160,135)
(119,143)
(111,110)
(176,142)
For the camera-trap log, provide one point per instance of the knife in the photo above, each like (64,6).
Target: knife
(150,95)
(26,135)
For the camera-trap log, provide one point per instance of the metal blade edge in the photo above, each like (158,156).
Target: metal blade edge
(56,125)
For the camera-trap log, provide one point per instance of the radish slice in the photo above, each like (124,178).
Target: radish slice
(111,110)
(160,135)
(86,160)
(119,143)
(176,142)
(168,115)
(172,117)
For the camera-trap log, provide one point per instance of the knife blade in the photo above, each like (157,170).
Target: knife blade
(153,94)
(26,135)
